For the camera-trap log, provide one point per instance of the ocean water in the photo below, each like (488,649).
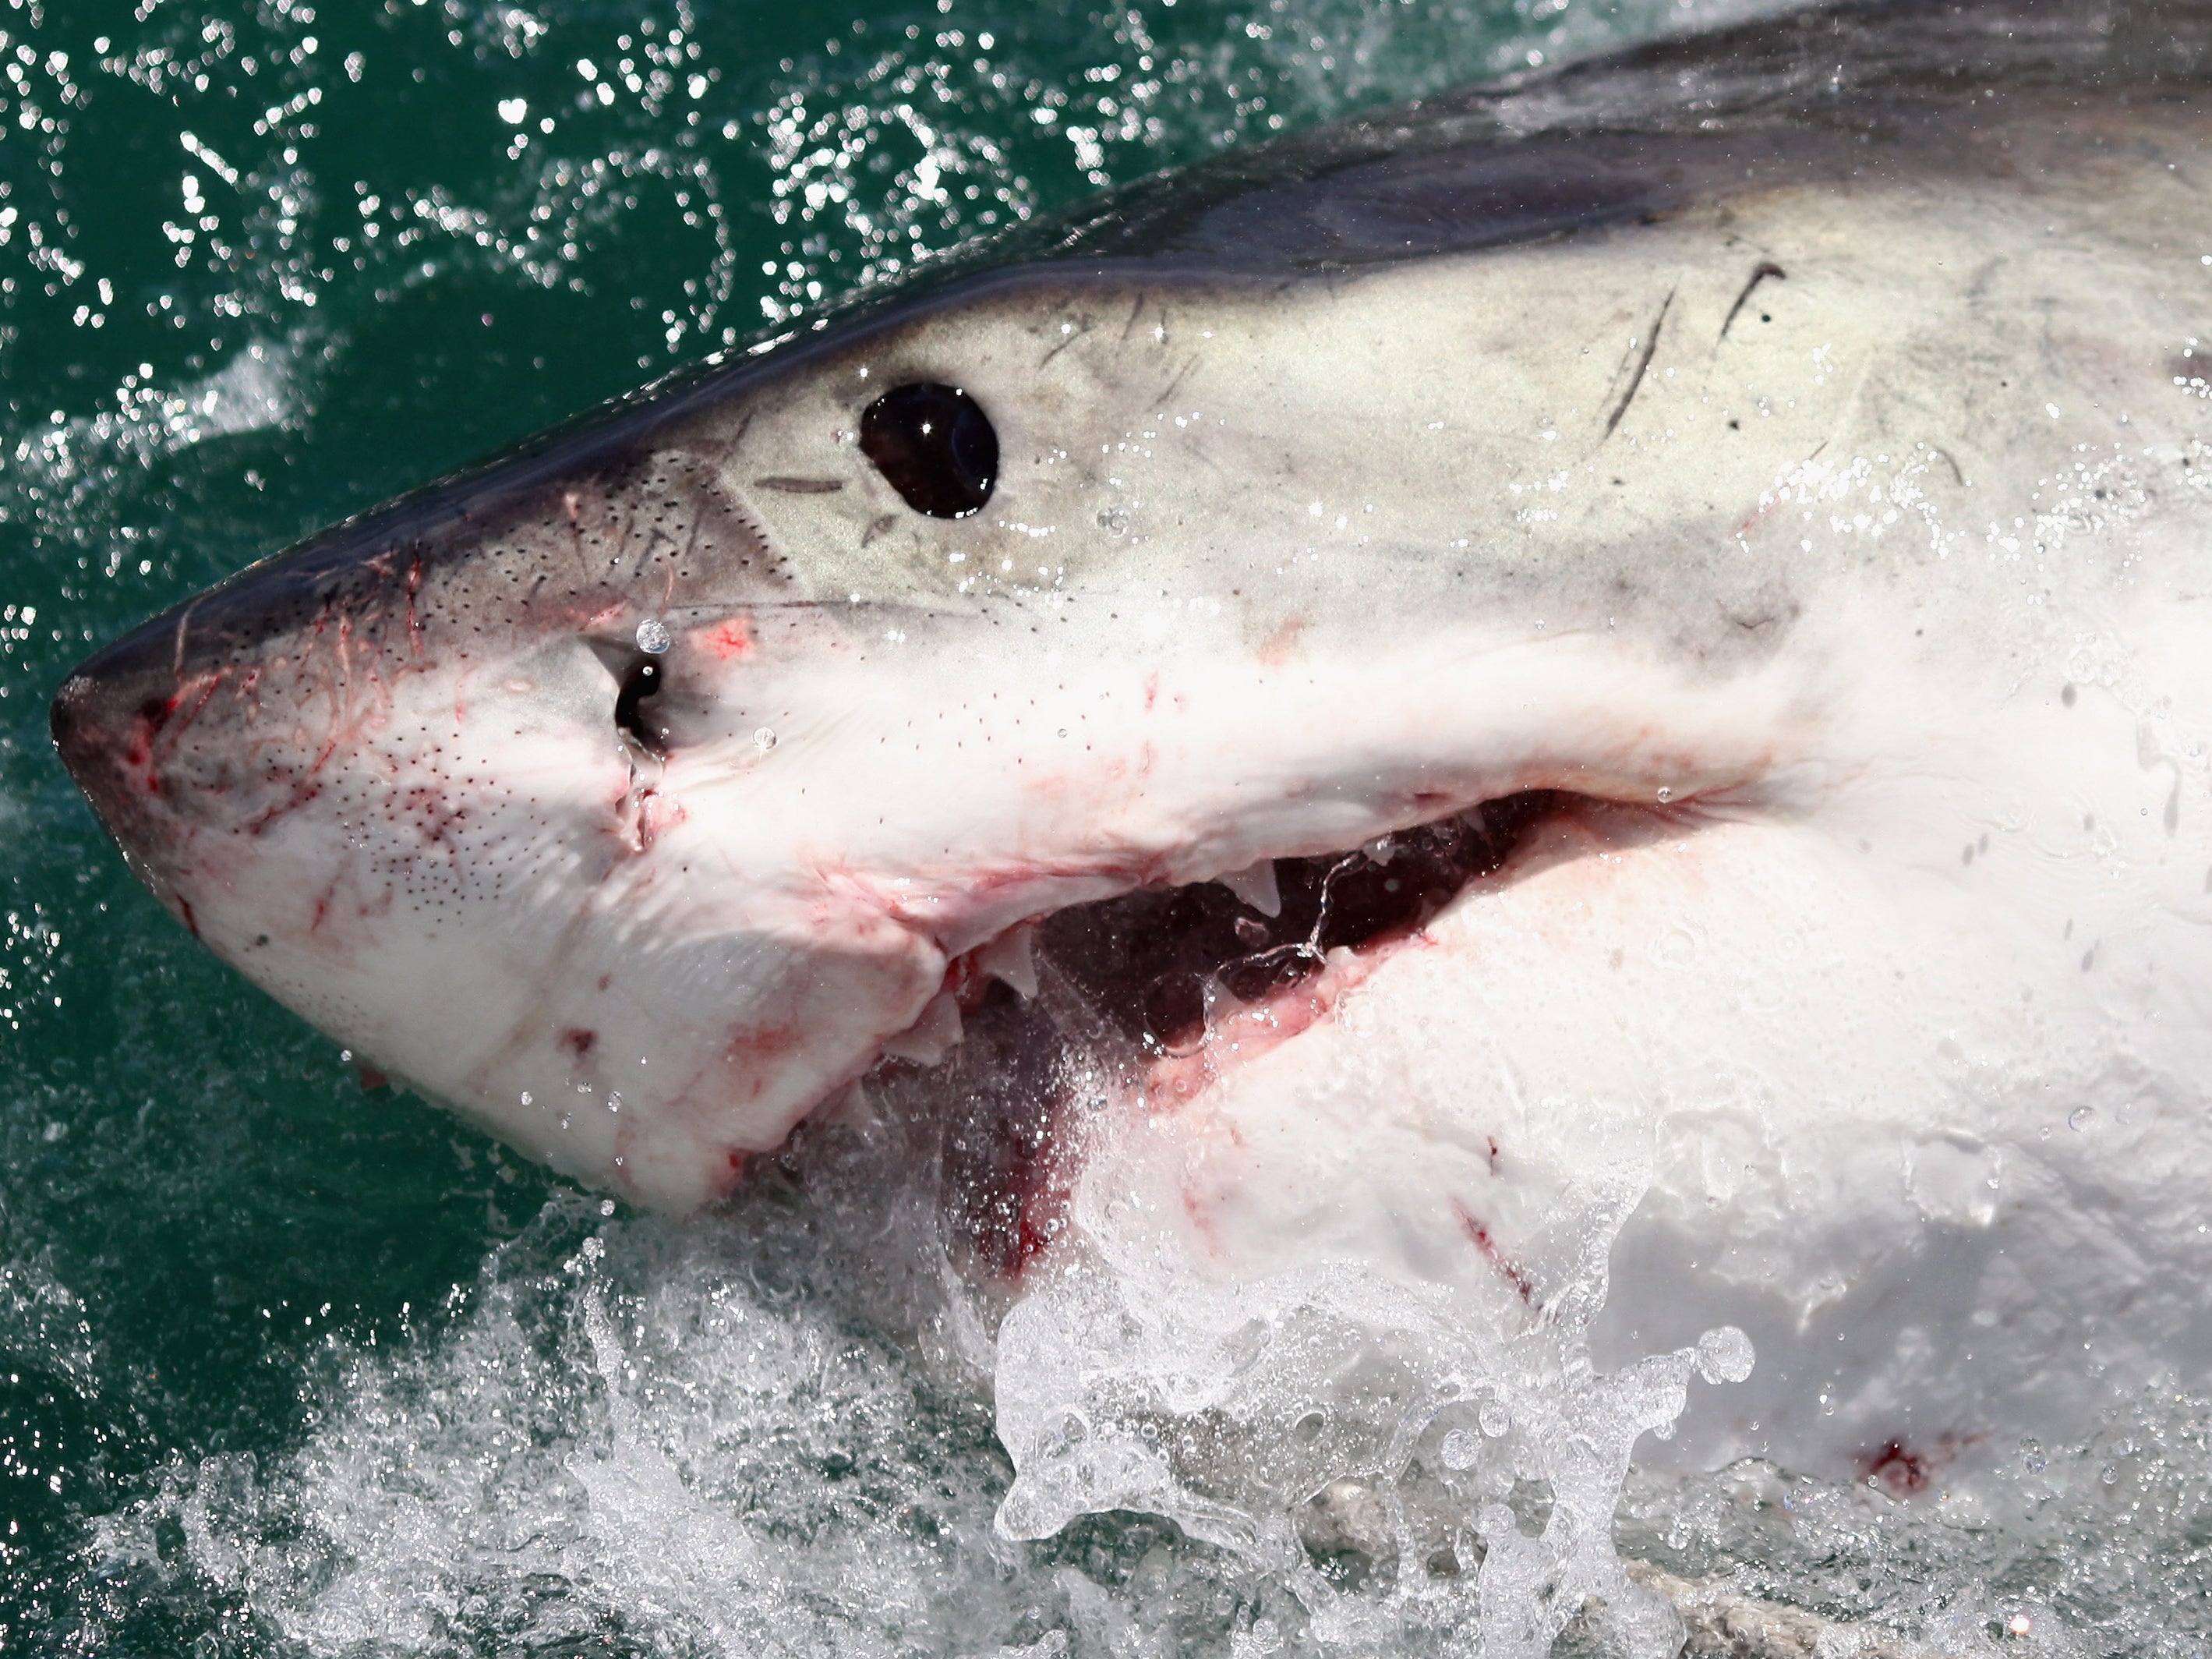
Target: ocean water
(288,1364)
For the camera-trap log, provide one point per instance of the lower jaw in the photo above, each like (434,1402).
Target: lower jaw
(1152,998)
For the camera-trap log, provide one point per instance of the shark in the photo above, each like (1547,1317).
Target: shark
(1665,598)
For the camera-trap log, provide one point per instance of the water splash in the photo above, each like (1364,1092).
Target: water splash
(1407,1459)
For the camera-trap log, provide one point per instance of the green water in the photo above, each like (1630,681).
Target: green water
(261,265)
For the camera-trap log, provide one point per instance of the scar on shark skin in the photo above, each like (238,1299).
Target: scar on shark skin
(1643,361)
(1759,273)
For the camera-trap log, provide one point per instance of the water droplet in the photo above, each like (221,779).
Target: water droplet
(1460,1451)
(653,637)
(764,739)
(2081,1117)
(525,1096)
(2032,1458)
(1724,1355)
(606,1206)
(1494,1417)
(1665,794)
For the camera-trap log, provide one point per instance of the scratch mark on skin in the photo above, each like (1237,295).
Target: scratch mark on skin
(1181,374)
(801,486)
(414,620)
(877,528)
(571,503)
(1136,310)
(1643,362)
(184,622)
(1759,273)
(1073,334)
(675,562)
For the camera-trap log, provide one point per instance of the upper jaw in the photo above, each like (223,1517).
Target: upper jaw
(777,920)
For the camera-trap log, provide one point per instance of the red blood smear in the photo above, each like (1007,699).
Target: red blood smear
(730,639)
(1897,1467)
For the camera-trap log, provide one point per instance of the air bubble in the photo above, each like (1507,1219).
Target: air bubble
(1494,1418)
(653,637)
(1460,1450)
(764,739)
(2081,1117)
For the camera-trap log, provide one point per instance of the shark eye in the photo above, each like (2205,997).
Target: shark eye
(639,682)
(934,444)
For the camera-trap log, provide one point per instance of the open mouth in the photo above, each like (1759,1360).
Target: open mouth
(1162,966)
(1150,994)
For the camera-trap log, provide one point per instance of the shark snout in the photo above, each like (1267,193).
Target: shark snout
(108,721)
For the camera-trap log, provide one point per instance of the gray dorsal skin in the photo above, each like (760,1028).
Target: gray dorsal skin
(1764,477)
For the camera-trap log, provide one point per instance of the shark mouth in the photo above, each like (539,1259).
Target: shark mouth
(1151,996)
(1168,968)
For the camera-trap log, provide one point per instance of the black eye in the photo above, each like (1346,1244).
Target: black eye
(935,447)
(640,681)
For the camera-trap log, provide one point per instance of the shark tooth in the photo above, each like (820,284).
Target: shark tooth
(930,1038)
(1255,886)
(1011,957)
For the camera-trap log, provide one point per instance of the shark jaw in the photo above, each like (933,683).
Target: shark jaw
(643,952)
(1759,638)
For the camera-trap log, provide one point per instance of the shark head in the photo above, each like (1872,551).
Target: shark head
(1700,618)
(638,795)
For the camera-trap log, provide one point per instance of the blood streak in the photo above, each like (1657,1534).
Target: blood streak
(1508,1269)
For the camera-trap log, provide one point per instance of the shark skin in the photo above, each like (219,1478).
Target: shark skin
(1772,475)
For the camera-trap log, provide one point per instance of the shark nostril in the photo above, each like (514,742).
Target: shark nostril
(641,683)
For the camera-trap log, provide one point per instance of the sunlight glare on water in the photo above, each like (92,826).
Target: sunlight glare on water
(288,1363)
